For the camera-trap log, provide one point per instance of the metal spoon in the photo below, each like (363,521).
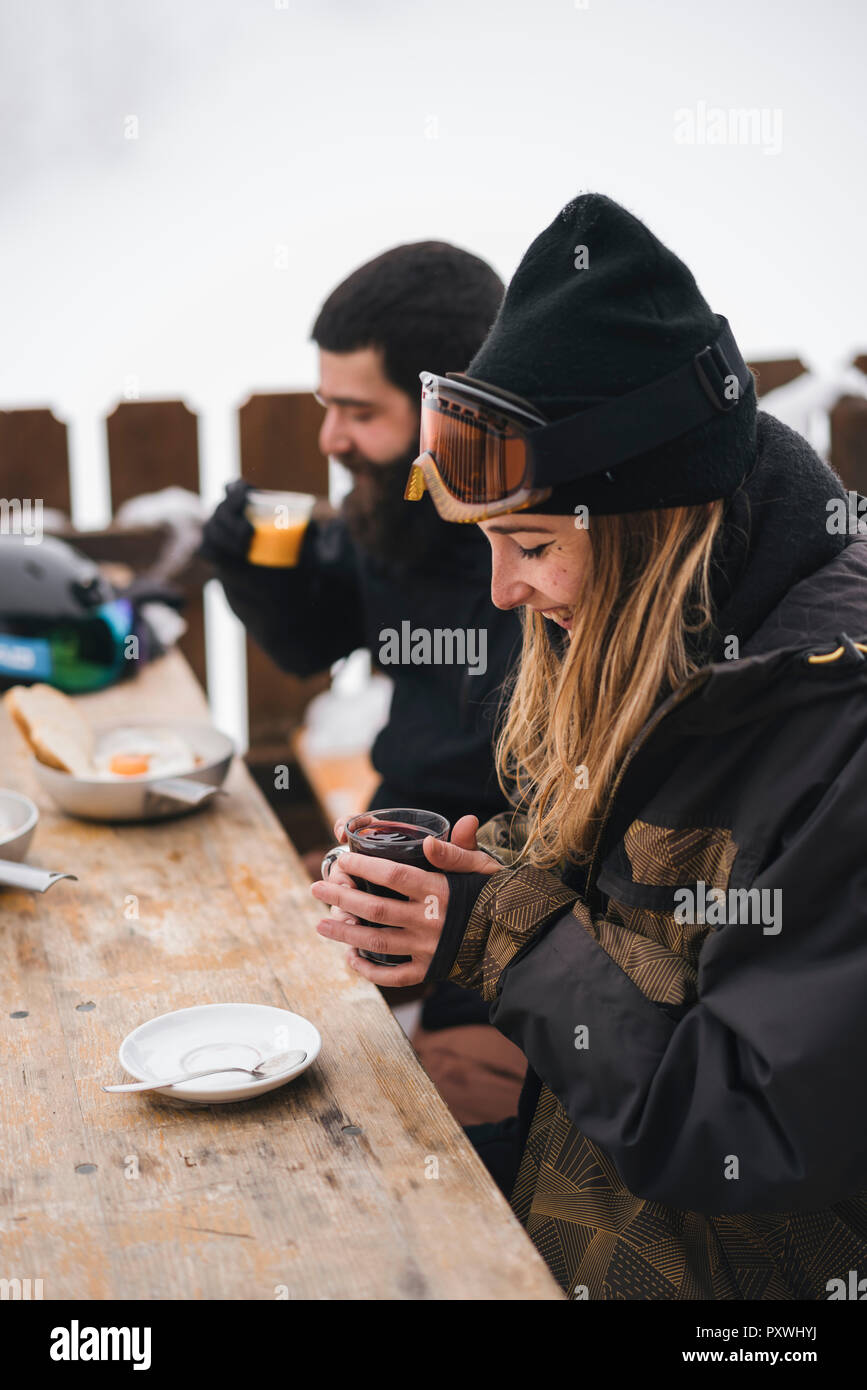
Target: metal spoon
(271,1066)
(16,875)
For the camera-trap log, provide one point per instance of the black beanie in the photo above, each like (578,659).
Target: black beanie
(597,308)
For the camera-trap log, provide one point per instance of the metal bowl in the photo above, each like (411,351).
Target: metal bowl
(145,798)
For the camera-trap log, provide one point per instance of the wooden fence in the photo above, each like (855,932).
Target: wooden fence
(154,444)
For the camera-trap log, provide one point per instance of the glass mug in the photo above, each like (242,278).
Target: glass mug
(279,520)
(397,834)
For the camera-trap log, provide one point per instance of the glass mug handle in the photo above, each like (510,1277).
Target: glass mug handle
(331,856)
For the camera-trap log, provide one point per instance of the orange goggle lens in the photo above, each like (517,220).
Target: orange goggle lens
(476,461)
(473,456)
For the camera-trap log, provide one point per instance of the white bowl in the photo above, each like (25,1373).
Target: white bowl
(18,817)
(210,1034)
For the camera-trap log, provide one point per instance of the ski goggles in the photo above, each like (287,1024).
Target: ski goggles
(73,655)
(484,451)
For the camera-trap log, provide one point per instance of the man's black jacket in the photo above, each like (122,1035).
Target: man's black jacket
(436,749)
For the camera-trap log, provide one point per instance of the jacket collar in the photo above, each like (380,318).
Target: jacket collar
(773,672)
(774,535)
(818,610)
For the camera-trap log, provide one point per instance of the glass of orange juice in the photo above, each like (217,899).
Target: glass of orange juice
(279,520)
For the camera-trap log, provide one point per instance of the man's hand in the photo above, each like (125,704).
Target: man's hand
(415,926)
(227,534)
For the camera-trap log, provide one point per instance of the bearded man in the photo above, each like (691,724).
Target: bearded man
(382,570)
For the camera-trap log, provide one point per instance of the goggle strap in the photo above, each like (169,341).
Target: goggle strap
(597,439)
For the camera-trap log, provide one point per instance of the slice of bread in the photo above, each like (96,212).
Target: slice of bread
(52,725)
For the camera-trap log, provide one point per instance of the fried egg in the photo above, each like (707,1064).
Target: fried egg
(123,754)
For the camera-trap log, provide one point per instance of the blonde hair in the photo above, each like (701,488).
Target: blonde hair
(647,587)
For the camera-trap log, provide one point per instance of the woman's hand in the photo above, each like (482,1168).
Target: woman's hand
(415,926)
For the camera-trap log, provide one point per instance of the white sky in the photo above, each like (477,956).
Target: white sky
(336,128)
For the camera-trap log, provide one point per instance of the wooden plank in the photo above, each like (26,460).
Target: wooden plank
(279,436)
(34,458)
(153,445)
(771,374)
(324,1187)
(849,441)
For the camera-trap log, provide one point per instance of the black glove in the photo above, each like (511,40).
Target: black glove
(228,533)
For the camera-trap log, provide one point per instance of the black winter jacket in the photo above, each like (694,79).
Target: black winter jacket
(436,749)
(697,1108)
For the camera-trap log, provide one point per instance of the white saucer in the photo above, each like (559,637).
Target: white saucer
(210,1034)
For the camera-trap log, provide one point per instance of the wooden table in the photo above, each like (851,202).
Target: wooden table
(321,1189)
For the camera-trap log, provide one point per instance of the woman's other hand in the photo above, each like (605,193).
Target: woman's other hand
(414,926)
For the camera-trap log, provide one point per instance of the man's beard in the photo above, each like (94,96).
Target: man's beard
(398,533)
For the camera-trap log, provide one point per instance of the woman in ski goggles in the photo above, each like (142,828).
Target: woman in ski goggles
(689,720)
(484,452)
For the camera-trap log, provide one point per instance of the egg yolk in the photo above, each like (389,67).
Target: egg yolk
(129,764)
